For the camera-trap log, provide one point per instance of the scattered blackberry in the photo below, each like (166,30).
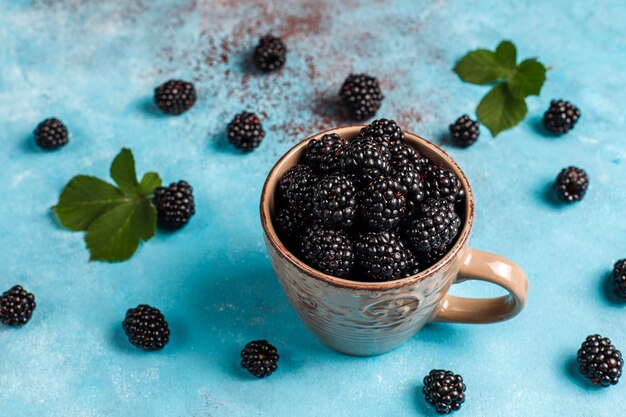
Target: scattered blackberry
(382,256)
(51,134)
(464,131)
(16,306)
(600,361)
(444,390)
(385,131)
(328,250)
(619,279)
(361,95)
(175,205)
(410,185)
(571,184)
(383,204)
(436,226)
(290,222)
(334,201)
(245,131)
(259,358)
(270,53)
(440,182)
(146,327)
(366,159)
(175,96)
(324,154)
(561,117)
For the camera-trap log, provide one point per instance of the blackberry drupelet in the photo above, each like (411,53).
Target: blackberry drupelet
(561,117)
(619,279)
(464,131)
(435,226)
(259,358)
(51,134)
(328,250)
(270,53)
(324,154)
(334,201)
(571,184)
(361,95)
(16,306)
(444,390)
(383,204)
(382,256)
(146,327)
(175,205)
(385,131)
(175,96)
(245,131)
(290,222)
(440,182)
(600,361)
(366,159)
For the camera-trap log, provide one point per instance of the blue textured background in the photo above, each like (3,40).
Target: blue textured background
(94,65)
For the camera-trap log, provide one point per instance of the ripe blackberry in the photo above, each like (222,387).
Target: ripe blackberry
(464,131)
(561,117)
(410,185)
(245,131)
(382,256)
(435,227)
(571,184)
(328,250)
(175,96)
(324,154)
(290,222)
(296,186)
(600,361)
(402,153)
(51,134)
(270,53)
(440,182)
(146,327)
(259,358)
(385,131)
(366,159)
(334,201)
(361,95)
(428,259)
(619,279)
(16,306)
(175,205)
(444,390)
(383,204)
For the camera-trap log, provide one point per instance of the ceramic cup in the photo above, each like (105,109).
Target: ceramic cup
(370,318)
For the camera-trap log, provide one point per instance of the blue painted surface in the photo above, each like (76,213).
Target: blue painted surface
(94,65)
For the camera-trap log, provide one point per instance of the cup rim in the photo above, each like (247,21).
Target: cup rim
(350,131)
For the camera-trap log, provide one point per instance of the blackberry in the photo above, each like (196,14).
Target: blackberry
(440,182)
(175,96)
(435,227)
(361,95)
(385,131)
(366,159)
(16,306)
(383,204)
(411,186)
(245,131)
(334,201)
(290,222)
(175,205)
(561,117)
(428,259)
(619,279)
(382,256)
(328,250)
(259,358)
(444,390)
(296,186)
(402,153)
(600,361)
(571,184)
(146,327)
(324,154)
(51,134)
(464,131)
(413,266)
(270,53)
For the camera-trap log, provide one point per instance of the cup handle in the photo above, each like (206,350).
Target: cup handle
(485,266)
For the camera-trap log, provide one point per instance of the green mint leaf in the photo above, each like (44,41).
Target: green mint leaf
(527,79)
(506,55)
(499,110)
(480,67)
(149,183)
(84,199)
(123,172)
(115,235)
